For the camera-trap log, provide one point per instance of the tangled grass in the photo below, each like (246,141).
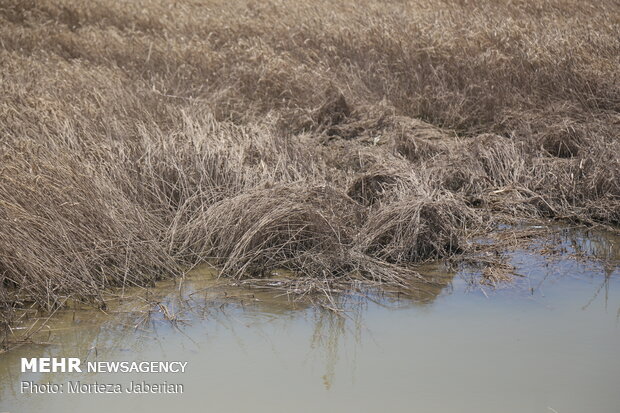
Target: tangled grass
(342,140)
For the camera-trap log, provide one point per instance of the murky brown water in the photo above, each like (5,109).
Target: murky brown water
(550,343)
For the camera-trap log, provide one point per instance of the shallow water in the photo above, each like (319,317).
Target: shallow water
(548,343)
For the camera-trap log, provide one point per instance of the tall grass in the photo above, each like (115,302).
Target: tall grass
(340,139)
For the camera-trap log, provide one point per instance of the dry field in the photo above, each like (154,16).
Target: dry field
(343,140)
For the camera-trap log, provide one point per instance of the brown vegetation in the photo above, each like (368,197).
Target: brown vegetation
(343,140)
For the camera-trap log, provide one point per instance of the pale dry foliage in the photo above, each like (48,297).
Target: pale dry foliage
(344,140)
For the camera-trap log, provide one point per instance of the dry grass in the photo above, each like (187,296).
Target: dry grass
(342,140)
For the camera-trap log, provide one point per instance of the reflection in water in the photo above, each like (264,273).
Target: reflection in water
(604,246)
(203,298)
(386,351)
(599,247)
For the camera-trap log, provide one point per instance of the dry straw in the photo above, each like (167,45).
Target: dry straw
(345,141)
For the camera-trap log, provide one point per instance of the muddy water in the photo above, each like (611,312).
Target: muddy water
(549,343)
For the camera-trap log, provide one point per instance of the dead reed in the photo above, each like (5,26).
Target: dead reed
(342,140)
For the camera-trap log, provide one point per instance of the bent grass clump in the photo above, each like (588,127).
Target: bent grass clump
(365,138)
(416,230)
(305,229)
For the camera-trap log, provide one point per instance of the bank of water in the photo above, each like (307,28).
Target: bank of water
(548,343)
